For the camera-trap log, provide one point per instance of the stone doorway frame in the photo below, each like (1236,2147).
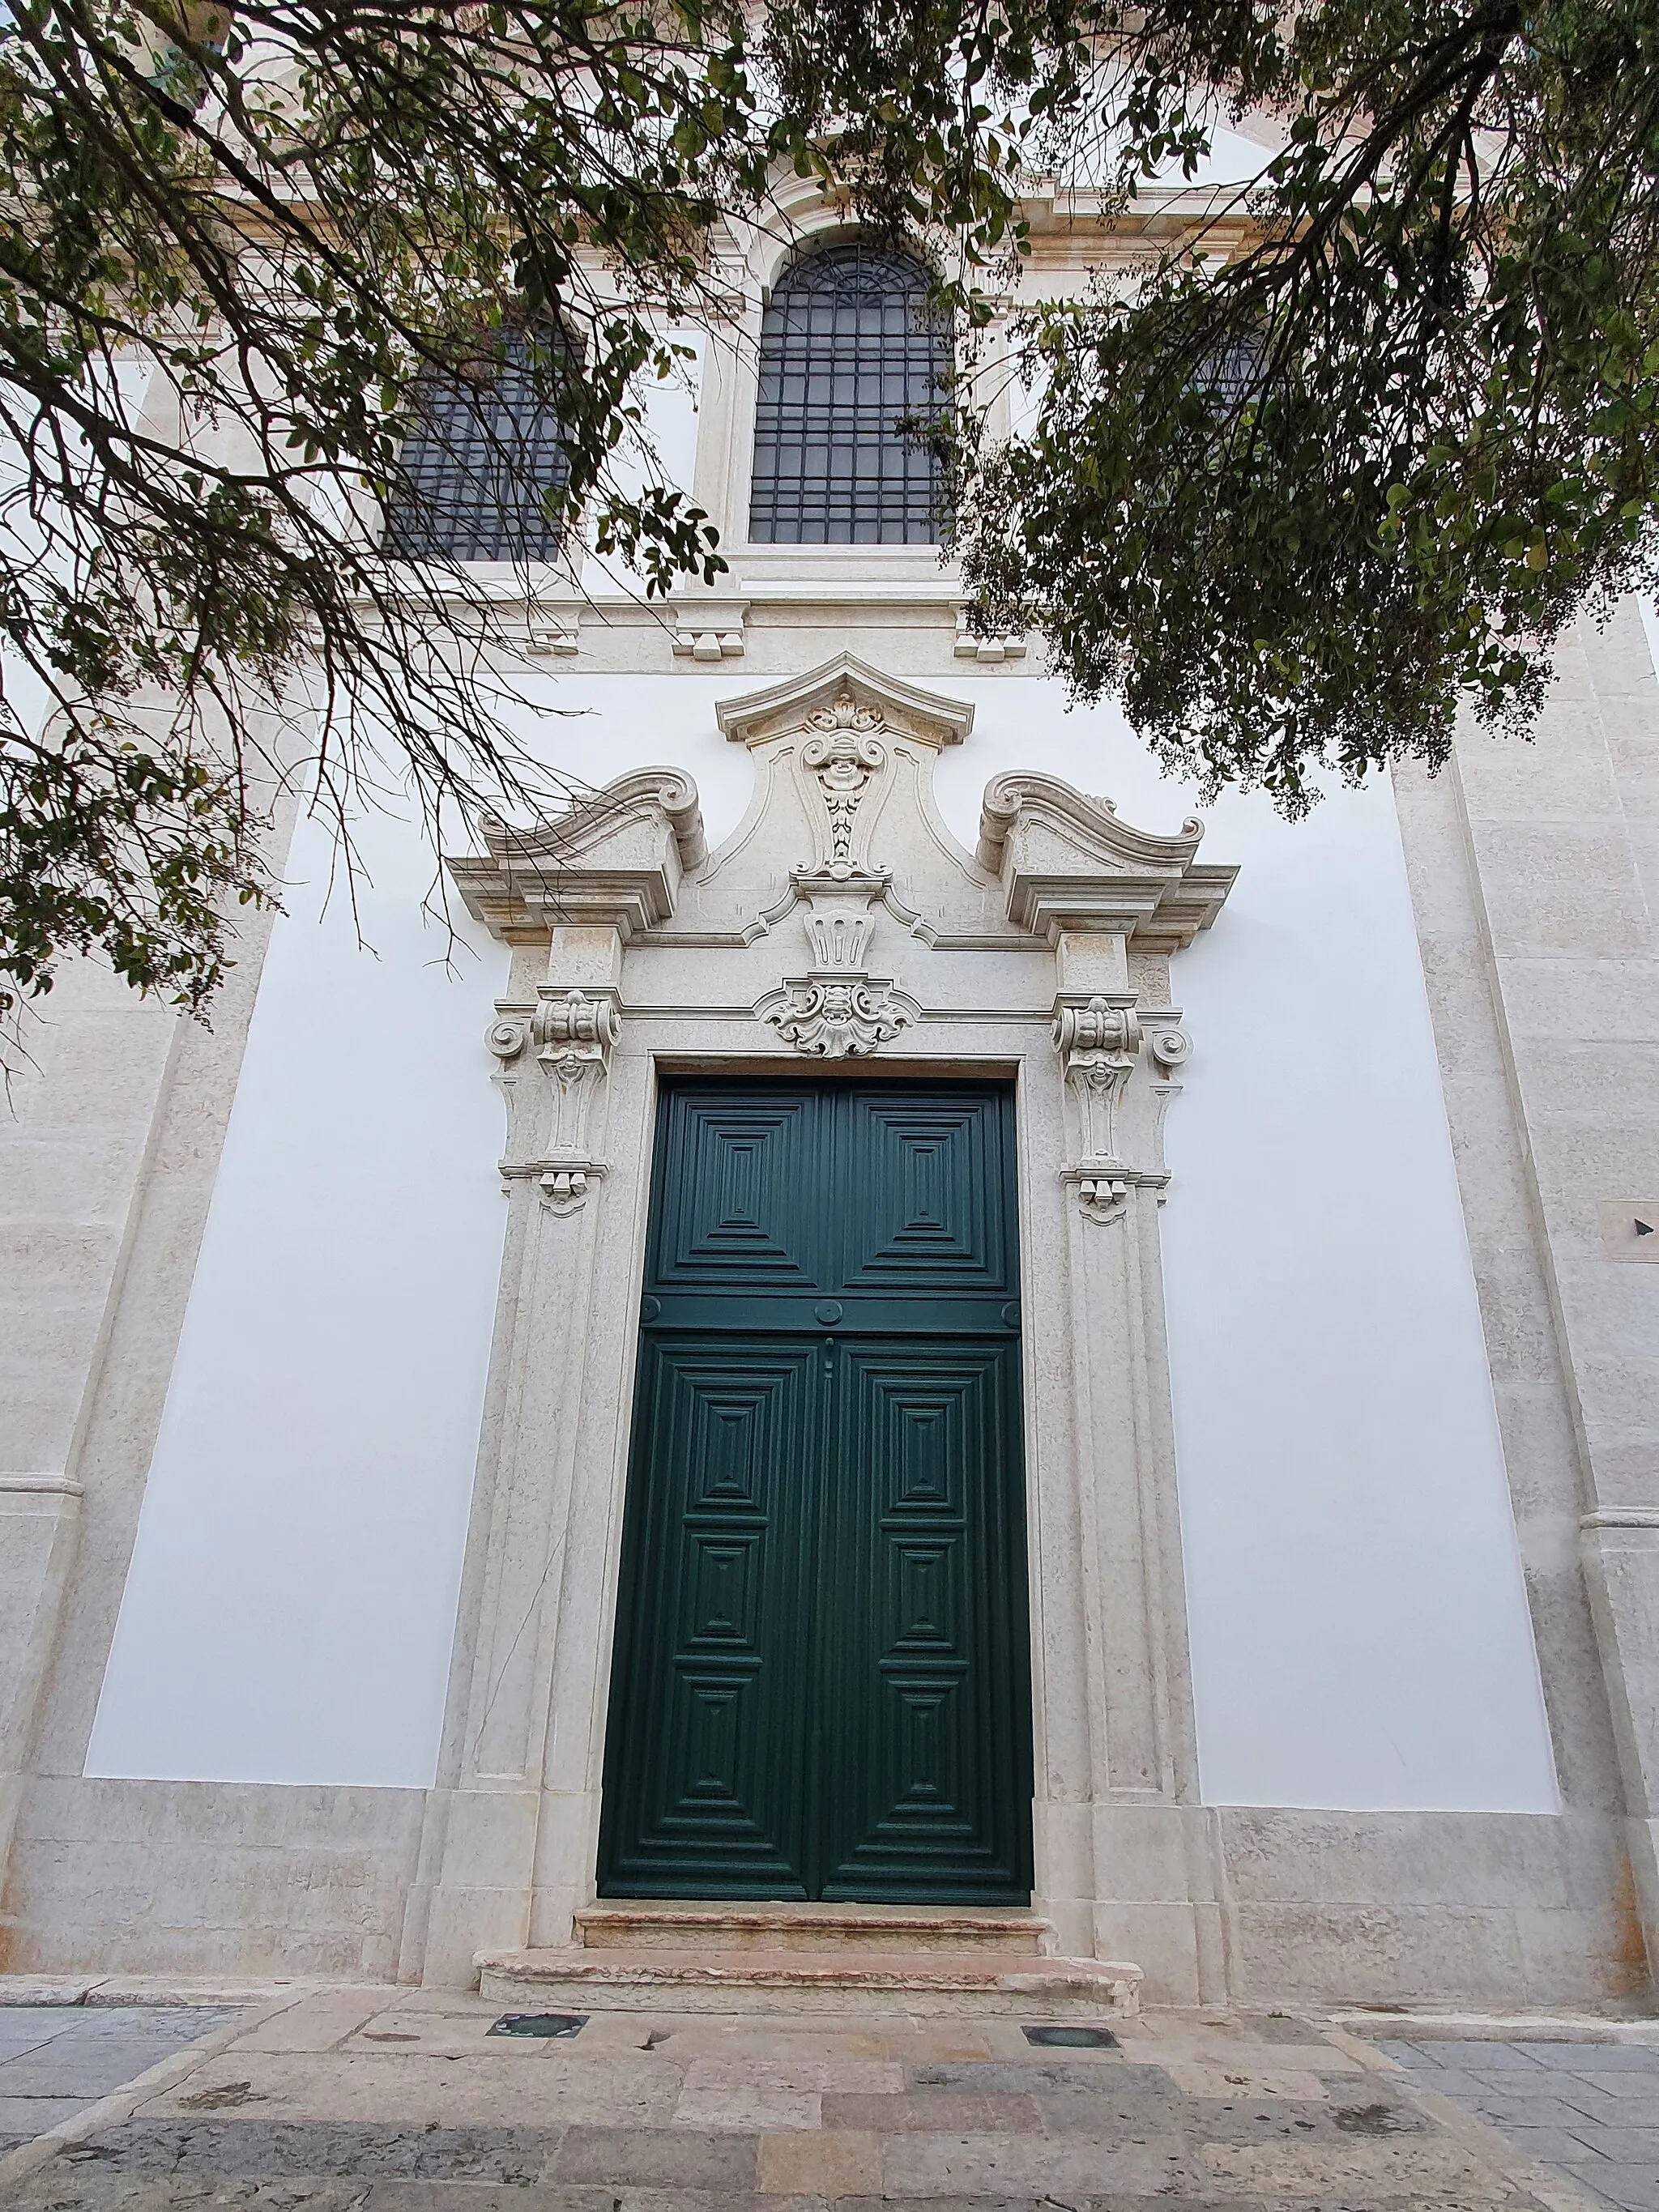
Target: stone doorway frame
(1044,957)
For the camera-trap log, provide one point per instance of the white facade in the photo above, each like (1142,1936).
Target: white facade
(1400,1728)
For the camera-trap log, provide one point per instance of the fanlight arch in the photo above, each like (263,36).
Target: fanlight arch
(852,364)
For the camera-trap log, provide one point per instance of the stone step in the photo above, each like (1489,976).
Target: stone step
(933,1984)
(825,1931)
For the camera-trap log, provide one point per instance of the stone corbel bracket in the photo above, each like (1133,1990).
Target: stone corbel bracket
(572,1034)
(987,651)
(553,628)
(1097,1043)
(1169,1047)
(709,631)
(1103,1187)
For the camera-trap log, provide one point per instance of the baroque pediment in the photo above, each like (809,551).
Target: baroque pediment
(615,858)
(1067,862)
(842,863)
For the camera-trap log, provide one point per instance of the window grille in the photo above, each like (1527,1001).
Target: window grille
(849,355)
(472,475)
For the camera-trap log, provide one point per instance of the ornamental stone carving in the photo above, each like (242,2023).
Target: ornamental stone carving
(573,1034)
(843,756)
(1097,1043)
(836,1019)
(1171,1048)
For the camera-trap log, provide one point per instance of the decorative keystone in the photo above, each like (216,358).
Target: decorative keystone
(834,1017)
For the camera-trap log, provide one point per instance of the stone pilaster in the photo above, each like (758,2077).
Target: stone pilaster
(1564,843)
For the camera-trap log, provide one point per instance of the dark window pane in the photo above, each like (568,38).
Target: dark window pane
(848,355)
(472,477)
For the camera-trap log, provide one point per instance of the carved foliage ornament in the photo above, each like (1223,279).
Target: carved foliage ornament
(838,1018)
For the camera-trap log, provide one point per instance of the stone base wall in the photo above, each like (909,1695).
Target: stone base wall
(1488,1910)
(1493,1910)
(210,1878)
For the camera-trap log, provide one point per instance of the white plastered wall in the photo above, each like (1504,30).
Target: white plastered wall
(1358,1626)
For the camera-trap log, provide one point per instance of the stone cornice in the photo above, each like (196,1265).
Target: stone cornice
(613,861)
(1067,862)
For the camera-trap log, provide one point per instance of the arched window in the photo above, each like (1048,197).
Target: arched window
(473,477)
(848,356)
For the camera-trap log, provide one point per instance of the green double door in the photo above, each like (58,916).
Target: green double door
(821,1684)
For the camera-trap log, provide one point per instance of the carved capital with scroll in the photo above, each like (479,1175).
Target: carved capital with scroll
(1097,1043)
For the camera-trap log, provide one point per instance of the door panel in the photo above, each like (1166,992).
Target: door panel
(925,1732)
(708,1790)
(729,1211)
(937,1207)
(820,1686)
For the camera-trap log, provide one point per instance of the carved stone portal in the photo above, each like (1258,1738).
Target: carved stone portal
(840,921)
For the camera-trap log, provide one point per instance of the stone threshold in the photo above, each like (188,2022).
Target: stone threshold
(933,1985)
(834,1930)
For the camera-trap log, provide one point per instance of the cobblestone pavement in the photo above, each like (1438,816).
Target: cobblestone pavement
(371,2101)
(1588,2110)
(57,2059)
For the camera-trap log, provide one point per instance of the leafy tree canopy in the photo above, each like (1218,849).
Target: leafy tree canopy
(1292,506)
(1296,500)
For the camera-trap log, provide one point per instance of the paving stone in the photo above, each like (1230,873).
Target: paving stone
(818,2164)
(1453,2081)
(1227,2084)
(554,2197)
(1608,2083)
(944,2111)
(847,2077)
(1163,2200)
(1629,2146)
(1278,2027)
(549,2197)
(85,2074)
(1476,2056)
(1598,2057)
(1013,2078)
(1597,2123)
(25,2027)
(88,2189)
(23,2117)
(1631,2188)
(1553,2146)
(1433,2172)
(408,2088)
(329,2147)
(480,2197)
(1560,2106)
(746,2112)
(933,2164)
(735,2118)
(676,2157)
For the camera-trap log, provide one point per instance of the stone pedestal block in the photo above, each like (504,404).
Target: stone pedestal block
(40,1521)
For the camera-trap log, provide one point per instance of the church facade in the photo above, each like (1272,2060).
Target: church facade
(908,1323)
